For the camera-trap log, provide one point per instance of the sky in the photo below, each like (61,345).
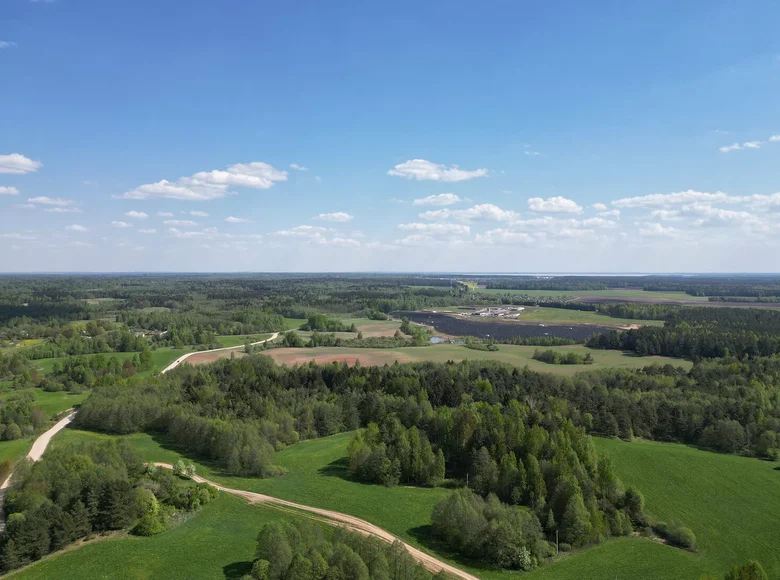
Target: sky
(500,136)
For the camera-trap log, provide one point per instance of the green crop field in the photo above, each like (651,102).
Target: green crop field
(512,354)
(217,543)
(729,502)
(316,476)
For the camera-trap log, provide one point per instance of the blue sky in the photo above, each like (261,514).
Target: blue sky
(432,136)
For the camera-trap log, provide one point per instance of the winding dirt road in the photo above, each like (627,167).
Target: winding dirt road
(184,357)
(342,520)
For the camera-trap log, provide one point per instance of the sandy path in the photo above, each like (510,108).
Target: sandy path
(343,520)
(184,357)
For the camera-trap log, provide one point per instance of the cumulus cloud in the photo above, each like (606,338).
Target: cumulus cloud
(55,201)
(18,164)
(147,231)
(235,220)
(198,213)
(316,235)
(117,224)
(76,228)
(423,170)
(62,210)
(208,185)
(298,167)
(599,206)
(7,44)
(338,216)
(436,230)
(181,223)
(504,237)
(6,190)
(656,230)
(682,197)
(666,215)
(610,213)
(480,212)
(557,204)
(439,199)
(137,215)
(164,214)
(747,145)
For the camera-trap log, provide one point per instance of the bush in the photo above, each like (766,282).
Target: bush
(149,525)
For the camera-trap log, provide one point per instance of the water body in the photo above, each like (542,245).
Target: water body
(487,328)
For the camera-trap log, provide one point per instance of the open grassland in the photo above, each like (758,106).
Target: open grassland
(161,358)
(52,403)
(12,450)
(229,340)
(294,323)
(567,316)
(729,502)
(317,476)
(217,543)
(611,294)
(512,354)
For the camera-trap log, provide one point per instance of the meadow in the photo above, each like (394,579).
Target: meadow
(317,476)
(231,340)
(611,294)
(567,316)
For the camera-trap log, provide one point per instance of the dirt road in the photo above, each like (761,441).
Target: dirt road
(184,357)
(343,520)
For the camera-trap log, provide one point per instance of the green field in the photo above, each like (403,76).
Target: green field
(516,355)
(632,294)
(316,476)
(161,357)
(229,340)
(294,323)
(217,543)
(12,450)
(52,403)
(730,502)
(567,316)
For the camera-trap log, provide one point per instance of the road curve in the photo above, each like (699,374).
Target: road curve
(184,357)
(343,520)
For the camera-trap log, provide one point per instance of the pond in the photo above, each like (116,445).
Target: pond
(482,328)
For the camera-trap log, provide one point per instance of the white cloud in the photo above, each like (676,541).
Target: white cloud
(774,138)
(148,231)
(55,201)
(343,242)
(18,164)
(712,216)
(164,214)
(6,190)
(423,170)
(729,148)
(599,206)
(338,216)
(302,231)
(181,223)
(62,210)
(121,224)
(207,185)
(480,212)
(7,44)
(298,167)
(76,228)
(556,204)
(666,215)
(438,199)
(752,144)
(16,237)
(747,145)
(504,237)
(436,230)
(198,214)
(610,213)
(235,220)
(669,199)
(138,215)
(656,230)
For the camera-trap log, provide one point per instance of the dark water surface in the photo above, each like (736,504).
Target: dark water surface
(487,328)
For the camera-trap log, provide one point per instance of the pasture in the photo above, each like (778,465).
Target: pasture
(317,476)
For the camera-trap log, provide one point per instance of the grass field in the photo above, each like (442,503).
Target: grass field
(729,502)
(52,403)
(630,294)
(516,355)
(217,543)
(316,476)
(228,340)
(161,357)
(294,323)
(12,450)
(566,316)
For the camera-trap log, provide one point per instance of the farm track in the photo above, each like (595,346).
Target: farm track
(339,519)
